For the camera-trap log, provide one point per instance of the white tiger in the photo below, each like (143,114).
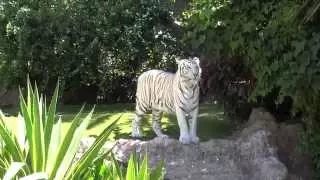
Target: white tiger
(159,91)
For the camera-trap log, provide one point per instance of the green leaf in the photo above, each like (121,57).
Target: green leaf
(158,173)
(132,168)
(143,172)
(51,116)
(73,146)
(29,98)
(247,27)
(234,44)
(36,176)
(55,142)
(10,140)
(38,154)
(63,148)
(12,171)
(27,119)
(116,168)
(21,132)
(91,153)
(299,46)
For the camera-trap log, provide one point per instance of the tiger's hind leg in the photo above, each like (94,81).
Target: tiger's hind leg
(156,123)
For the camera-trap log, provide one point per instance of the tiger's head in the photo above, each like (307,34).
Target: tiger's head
(189,69)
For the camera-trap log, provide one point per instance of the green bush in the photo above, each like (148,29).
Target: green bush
(103,44)
(281,59)
(37,150)
(280,43)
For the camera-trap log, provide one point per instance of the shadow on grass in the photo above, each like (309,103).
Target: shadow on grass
(10,111)
(211,124)
(124,128)
(100,119)
(69,111)
(211,121)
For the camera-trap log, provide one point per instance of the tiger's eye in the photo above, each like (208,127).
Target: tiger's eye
(184,68)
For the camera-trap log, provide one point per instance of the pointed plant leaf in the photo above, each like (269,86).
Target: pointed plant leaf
(51,117)
(73,146)
(29,97)
(91,153)
(36,176)
(158,172)
(132,168)
(26,116)
(143,171)
(21,134)
(54,145)
(10,141)
(116,167)
(64,146)
(37,152)
(12,171)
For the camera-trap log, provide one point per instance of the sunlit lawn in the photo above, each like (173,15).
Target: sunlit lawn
(212,123)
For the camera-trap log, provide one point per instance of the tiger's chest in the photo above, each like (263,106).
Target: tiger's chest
(187,101)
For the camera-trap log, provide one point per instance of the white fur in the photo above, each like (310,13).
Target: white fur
(178,93)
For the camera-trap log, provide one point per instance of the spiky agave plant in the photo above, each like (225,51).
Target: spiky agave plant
(37,151)
(136,170)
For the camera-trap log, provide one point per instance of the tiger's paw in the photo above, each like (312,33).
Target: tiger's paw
(163,136)
(136,135)
(195,139)
(184,139)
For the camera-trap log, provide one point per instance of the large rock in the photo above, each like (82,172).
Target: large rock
(251,155)
(297,162)
(256,152)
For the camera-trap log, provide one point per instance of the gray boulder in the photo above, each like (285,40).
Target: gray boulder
(251,154)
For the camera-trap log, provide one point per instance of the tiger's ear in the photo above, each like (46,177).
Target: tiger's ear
(197,60)
(178,60)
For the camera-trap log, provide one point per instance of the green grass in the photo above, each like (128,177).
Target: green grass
(212,123)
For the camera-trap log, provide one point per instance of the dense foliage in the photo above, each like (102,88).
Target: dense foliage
(279,42)
(279,57)
(100,44)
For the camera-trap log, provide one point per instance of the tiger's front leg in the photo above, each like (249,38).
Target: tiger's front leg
(183,126)
(136,131)
(193,122)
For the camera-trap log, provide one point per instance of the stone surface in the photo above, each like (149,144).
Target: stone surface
(298,163)
(250,154)
(248,158)
(85,144)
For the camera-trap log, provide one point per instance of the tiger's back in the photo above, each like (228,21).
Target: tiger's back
(155,92)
